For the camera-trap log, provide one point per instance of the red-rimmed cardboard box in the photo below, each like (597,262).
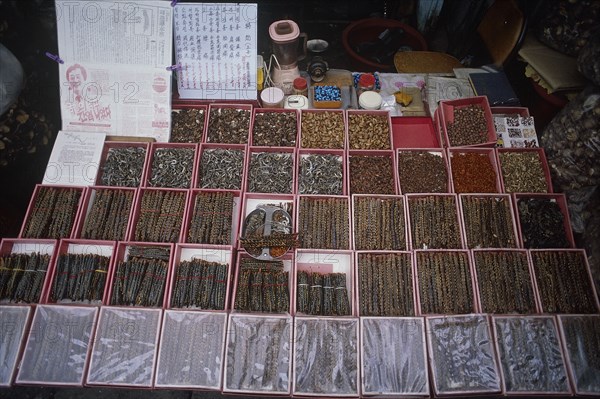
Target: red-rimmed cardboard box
(351,115)
(17,320)
(336,343)
(325,261)
(191,215)
(358,284)
(439,131)
(433,151)
(575,286)
(269,171)
(543,163)
(512,234)
(58,346)
(208,148)
(211,253)
(491,155)
(431,223)
(213,107)
(446,113)
(473,300)
(403,374)
(304,153)
(252,201)
(31,209)
(88,203)
(414,132)
(521,111)
(331,114)
(133,223)
(496,284)
(108,145)
(176,167)
(288,266)
(560,199)
(83,247)
(397,228)
(293,112)
(463,374)
(121,255)
(269,372)
(306,199)
(581,351)
(125,347)
(180,106)
(178,102)
(10,246)
(543,330)
(192,350)
(392,187)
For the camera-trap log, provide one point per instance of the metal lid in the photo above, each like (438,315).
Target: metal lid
(284,31)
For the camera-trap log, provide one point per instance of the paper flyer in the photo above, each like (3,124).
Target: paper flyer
(215,48)
(74,159)
(114,78)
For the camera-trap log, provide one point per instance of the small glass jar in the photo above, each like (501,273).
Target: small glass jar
(300,87)
(366,82)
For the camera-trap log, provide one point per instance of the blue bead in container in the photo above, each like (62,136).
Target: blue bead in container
(328,93)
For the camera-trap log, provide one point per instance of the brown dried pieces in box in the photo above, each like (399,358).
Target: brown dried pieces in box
(385,285)
(369,132)
(473,173)
(422,172)
(324,223)
(275,129)
(228,126)
(469,126)
(322,130)
(379,223)
(371,175)
(322,294)
(522,172)
(187,125)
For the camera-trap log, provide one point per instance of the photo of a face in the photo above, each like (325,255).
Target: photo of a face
(76,75)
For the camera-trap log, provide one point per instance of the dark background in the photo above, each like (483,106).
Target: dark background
(28,30)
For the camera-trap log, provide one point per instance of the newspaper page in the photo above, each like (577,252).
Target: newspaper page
(74,159)
(130,32)
(114,78)
(216,49)
(117,100)
(441,88)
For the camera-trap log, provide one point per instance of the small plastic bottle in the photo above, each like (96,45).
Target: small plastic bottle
(272,97)
(366,82)
(300,87)
(296,102)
